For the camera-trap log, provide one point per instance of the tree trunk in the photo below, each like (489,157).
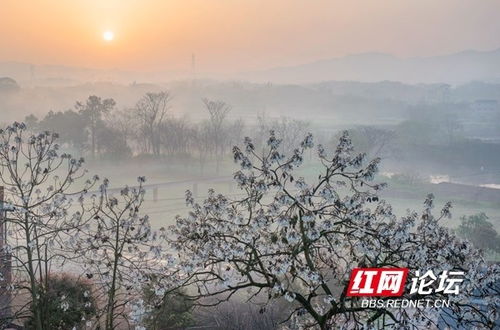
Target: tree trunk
(35,306)
(92,137)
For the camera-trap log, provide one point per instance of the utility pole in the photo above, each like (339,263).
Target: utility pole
(193,69)
(5,264)
(32,75)
(193,66)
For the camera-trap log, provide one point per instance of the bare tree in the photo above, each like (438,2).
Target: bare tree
(262,130)
(235,133)
(123,122)
(372,140)
(218,111)
(202,143)
(94,109)
(151,111)
(176,135)
(288,130)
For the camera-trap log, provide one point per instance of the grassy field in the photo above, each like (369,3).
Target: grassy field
(167,201)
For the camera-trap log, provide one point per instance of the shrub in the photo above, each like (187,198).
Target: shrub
(66,302)
(170,311)
(477,229)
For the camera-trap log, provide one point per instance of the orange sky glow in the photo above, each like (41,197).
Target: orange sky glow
(237,35)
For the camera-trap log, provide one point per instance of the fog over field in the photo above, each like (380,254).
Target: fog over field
(224,179)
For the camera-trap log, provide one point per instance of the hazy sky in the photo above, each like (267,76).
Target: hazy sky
(238,35)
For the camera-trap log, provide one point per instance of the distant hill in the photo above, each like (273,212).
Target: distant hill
(371,67)
(8,84)
(60,75)
(455,68)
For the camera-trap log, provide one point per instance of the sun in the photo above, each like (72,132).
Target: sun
(108,35)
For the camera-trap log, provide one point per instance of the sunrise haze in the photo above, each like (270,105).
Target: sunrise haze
(237,35)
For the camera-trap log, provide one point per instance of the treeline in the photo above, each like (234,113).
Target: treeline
(97,128)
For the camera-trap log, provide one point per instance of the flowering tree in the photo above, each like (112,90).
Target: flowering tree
(54,222)
(120,253)
(299,239)
(41,183)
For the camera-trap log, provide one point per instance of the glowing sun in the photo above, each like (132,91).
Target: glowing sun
(108,35)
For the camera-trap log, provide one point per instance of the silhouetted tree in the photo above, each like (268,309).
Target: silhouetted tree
(123,121)
(151,111)
(112,143)
(479,231)
(93,110)
(218,111)
(176,135)
(70,126)
(202,143)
